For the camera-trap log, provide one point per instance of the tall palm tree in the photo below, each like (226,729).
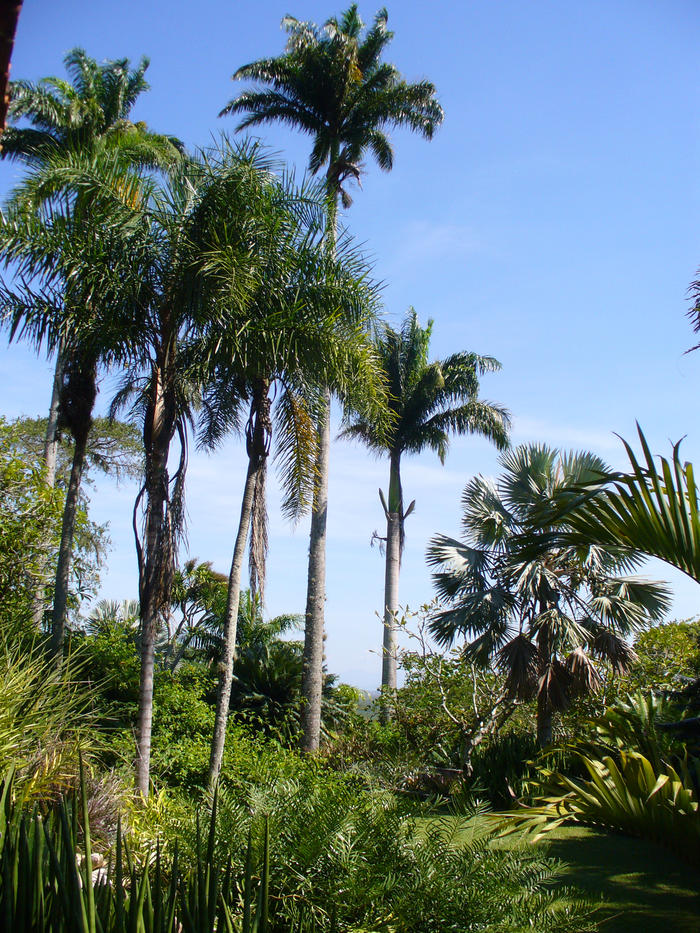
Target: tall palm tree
(544,615)
(428,401)
(203,275)
(332,84)
(87,115)
(306,330)
(47,301)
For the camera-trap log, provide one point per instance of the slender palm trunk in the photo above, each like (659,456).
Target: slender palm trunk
(65,552)
(257,446)
(394,517)
(50,457)
(51,440)
(544,707)
(314,634)
(156,572)
(312,676)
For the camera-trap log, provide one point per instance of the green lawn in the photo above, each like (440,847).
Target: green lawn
(641,887)
(645,888)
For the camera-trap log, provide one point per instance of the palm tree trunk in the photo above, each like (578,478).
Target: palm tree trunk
(312,676)
(391,584)
(314,634)
(223,697)
(50,457)
(9,16)
(51,440)
(544,707)
(257,446)
(155,582)
(65,552)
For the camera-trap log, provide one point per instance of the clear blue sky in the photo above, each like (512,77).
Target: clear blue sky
(551,223)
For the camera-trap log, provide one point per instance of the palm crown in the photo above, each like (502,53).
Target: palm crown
(88,113)
(332,84)
(427,400)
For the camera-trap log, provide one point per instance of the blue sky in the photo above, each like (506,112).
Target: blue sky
(551,223)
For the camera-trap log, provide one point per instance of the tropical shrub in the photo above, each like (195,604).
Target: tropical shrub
(626,794)
(343,858)
(635,780)
(44,724)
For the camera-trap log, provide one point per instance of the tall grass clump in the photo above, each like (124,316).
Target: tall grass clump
(44,723)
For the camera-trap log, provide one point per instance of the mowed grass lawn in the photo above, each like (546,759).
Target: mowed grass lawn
(640,886)
(645,888)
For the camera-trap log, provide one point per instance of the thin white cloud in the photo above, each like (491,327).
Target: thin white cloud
(423,241)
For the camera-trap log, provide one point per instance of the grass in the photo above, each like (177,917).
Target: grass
(641,886)
(645,888)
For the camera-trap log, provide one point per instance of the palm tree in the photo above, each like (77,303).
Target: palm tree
(88,116)
(203,275)
(306,330)
(542,613)
(428,401)
(47,302)
(332,84)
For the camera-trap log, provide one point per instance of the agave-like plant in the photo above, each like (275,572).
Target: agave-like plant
(628,794)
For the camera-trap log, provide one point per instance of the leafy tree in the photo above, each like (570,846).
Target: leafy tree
(30,529)
(114,448)
(428,401)
(543,620)
(332,84)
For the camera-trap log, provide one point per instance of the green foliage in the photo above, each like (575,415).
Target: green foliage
(667,655)
(44,723)
(48,885)
(636,784)
(502,767)
(114,448)
(30,527)
(626,793)
(652,509)
(346,859)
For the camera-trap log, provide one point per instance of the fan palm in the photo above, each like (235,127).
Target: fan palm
(542,613)
(428,401)
(332,84)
